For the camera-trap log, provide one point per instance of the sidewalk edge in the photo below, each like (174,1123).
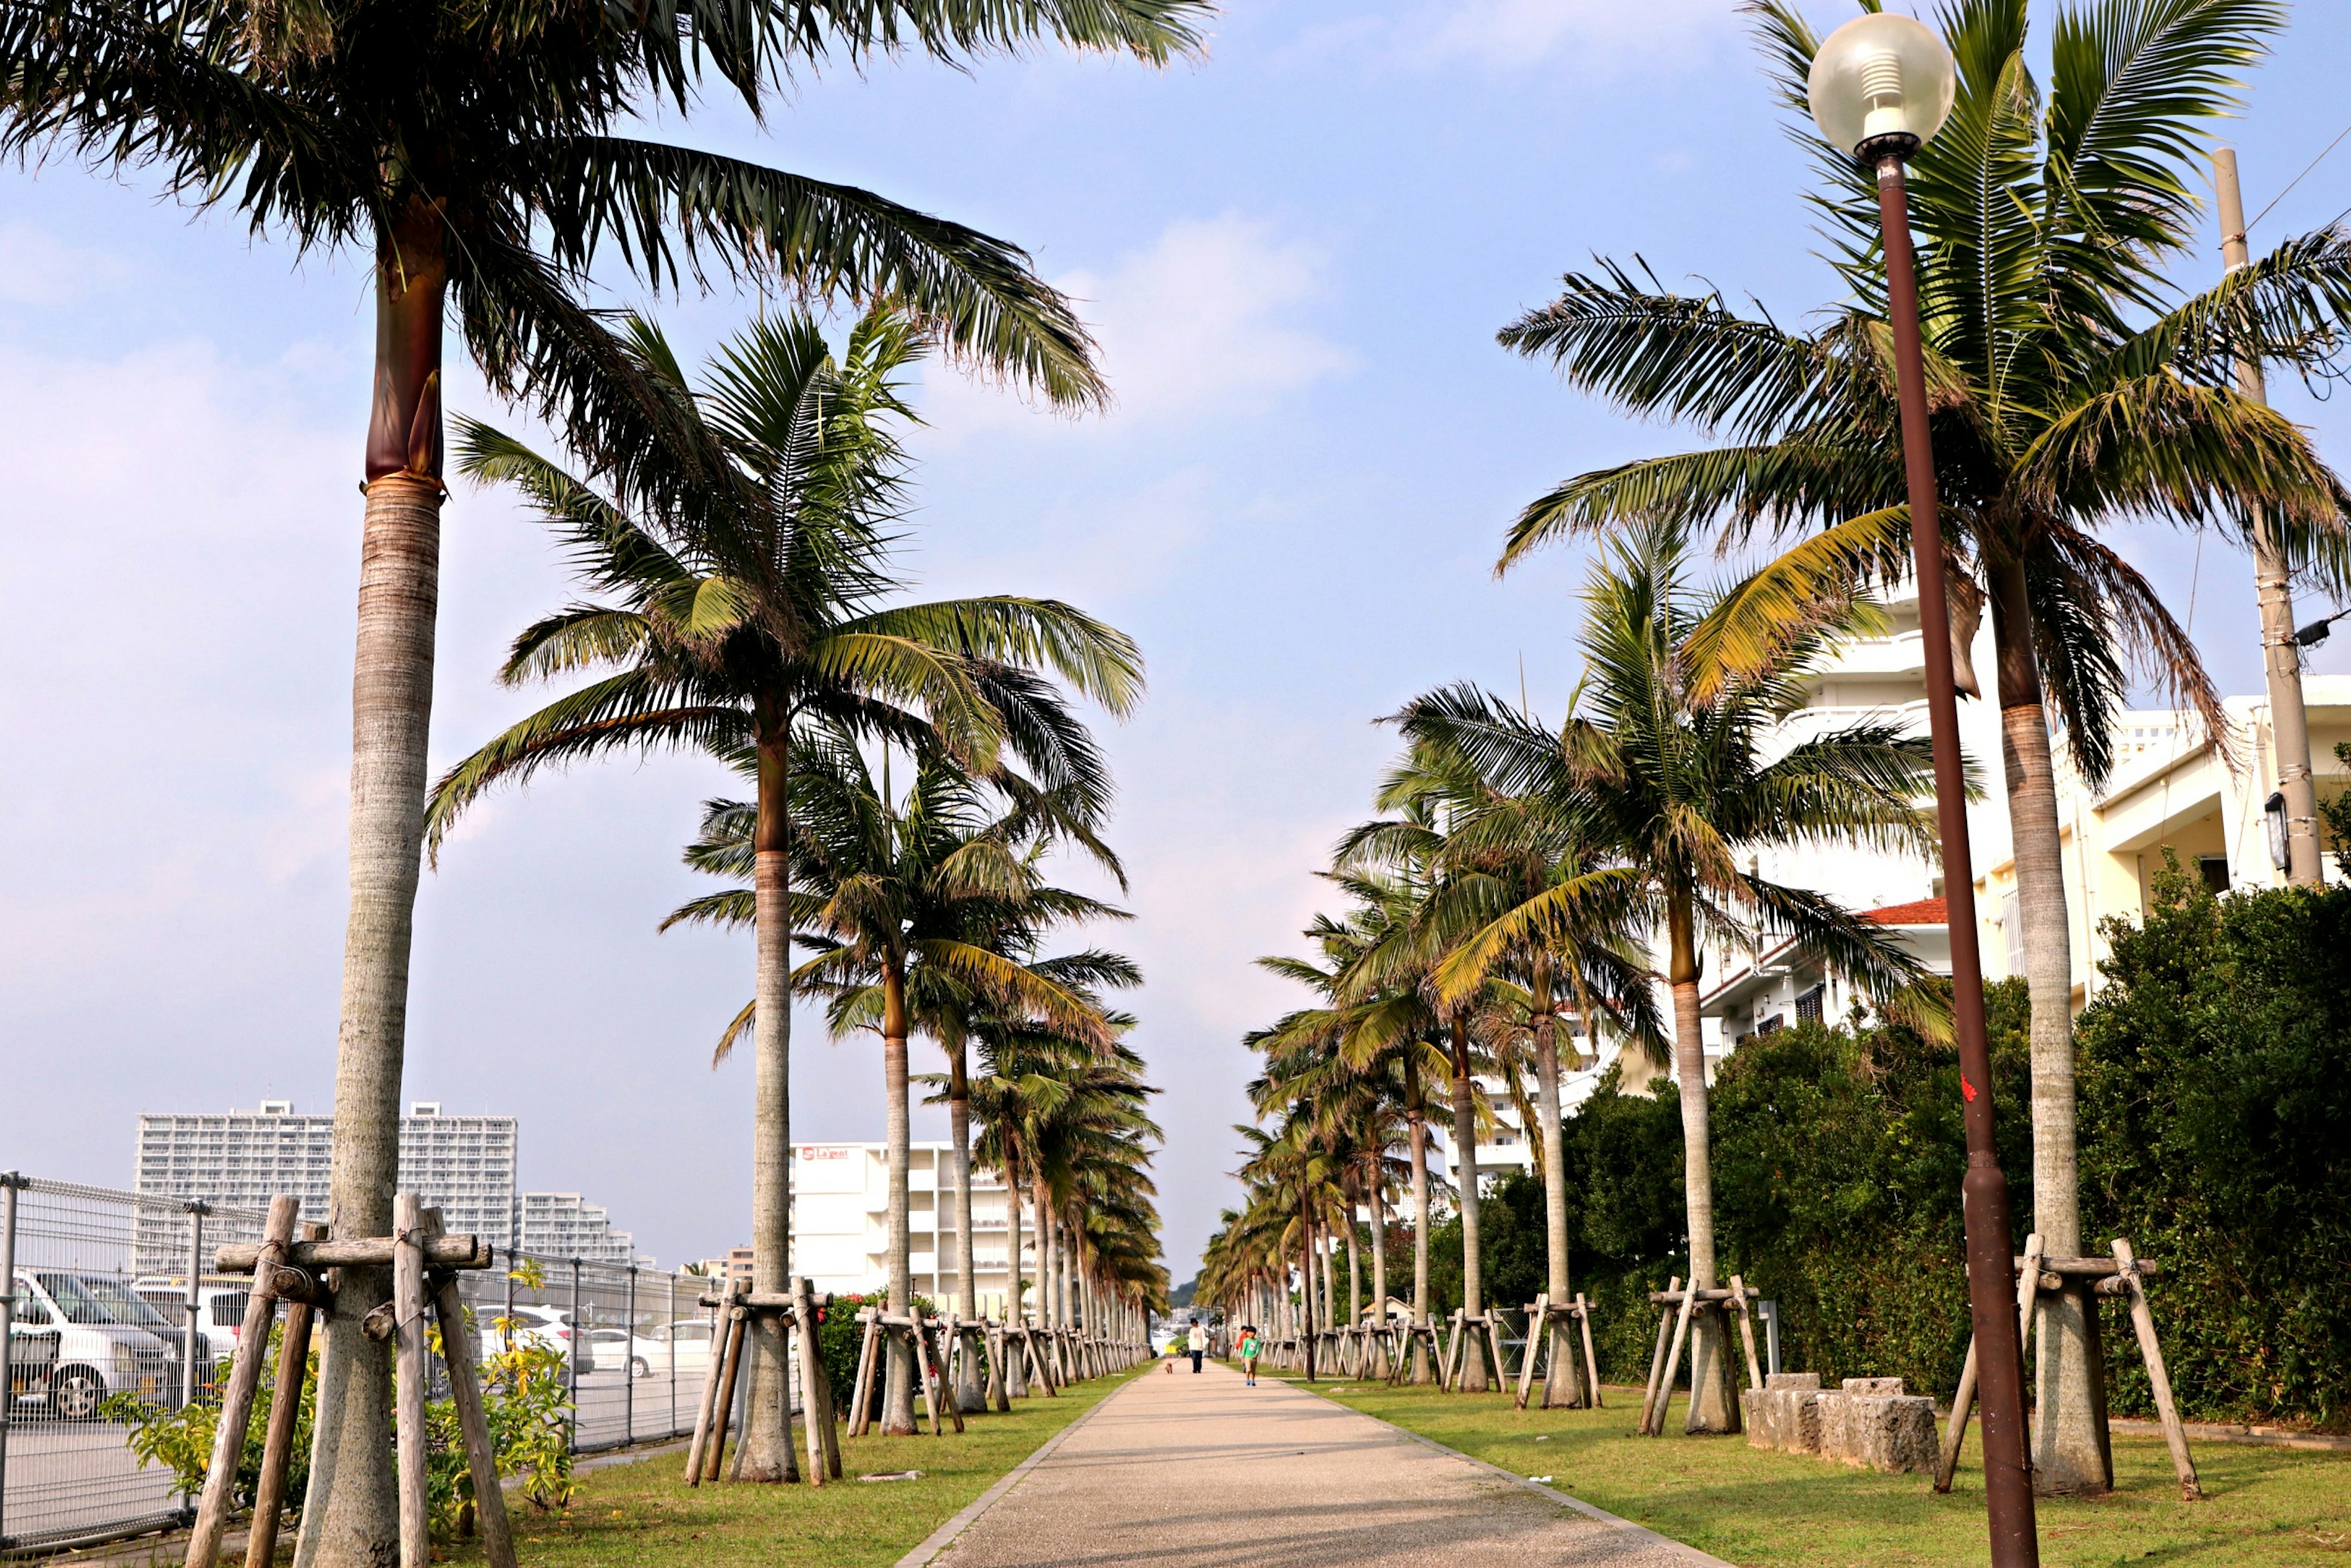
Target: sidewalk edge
(1600,1515)
(942,1538)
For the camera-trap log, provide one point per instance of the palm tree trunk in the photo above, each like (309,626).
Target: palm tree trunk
(968,1394)
(1379,1253)
(1417,1128)
(2070,1444)
(1354,1269)
(1464,1161)
(352,1501)
(1714,1396)
(1043,1216)
(1016,1368)
(898,1398)
(1562,1386)
(768,1448)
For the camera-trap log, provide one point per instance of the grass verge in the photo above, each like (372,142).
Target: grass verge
(2264,1508)
(644,1515)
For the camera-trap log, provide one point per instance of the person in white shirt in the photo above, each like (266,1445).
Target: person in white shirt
(1199,1345)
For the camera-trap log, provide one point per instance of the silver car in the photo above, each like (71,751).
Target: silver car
(108,1341)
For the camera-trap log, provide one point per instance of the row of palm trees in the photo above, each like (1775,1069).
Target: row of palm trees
(2075,386)
(1500,917)
(484,161)
(913,771)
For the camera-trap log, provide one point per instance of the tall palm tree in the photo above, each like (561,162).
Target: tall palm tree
(477,158)
(1667,760)
(893,891)
(1500,852)
(2072,387)
(741,609)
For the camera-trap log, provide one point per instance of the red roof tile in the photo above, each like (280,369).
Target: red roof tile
(1925,911)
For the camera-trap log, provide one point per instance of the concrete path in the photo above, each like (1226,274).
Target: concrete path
(1184,1470)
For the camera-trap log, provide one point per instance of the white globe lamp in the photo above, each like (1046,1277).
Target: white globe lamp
(1882,84)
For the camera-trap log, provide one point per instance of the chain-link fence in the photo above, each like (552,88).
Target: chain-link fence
(112,1295)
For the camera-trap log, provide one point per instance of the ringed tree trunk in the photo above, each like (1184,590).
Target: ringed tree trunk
(1306,1289)
(1355,1268)
(1417,1129)
(1714,1393)
(1042,1213)
(898,1397)
(969,1396)
(352,1520)
(1465,1160)
(2071,1450)
(1562,1386)
(1379,1252)
(768,1449)
(1016,1363)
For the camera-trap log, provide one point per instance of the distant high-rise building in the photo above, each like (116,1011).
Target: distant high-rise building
(465,1165)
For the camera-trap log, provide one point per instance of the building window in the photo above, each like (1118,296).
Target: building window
(1808,1005)
(1772,1025)
(2215,872)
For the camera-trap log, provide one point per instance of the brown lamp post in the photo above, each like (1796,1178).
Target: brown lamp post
(1880,87)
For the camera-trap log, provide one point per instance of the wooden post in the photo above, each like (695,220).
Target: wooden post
(473,1422)
(934,1377)
(1538,1321)
(1452,1343)
(2157,1376)
(410,1363)
(815,1394)
(1955,1431)
(1494,1339)
(868,1352)
(739,1329)
(1674,1361)
(277,1443)
(236,1401)
(720,1329)
(1657,1358)
(998,1394)
(1591,1360)
(1746,1333)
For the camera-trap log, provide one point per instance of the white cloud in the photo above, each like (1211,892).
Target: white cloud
(1202,325)
(37,268)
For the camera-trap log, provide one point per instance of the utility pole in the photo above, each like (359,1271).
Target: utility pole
(2281,657)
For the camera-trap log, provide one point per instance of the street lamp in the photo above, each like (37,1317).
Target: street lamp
(1881,85)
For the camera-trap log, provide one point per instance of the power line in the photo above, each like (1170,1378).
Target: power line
(2298,179)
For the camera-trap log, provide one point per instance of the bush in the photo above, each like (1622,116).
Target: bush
(2215,1089)
(839,1335)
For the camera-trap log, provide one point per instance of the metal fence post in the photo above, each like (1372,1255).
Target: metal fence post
(9,1183)
(197,1210)
(669,1337)
(571,1362)
(628,1371)
(506,1326)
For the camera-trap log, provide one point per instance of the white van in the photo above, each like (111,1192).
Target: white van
(108,1341)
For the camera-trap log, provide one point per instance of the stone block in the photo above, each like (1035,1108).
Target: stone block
(1779,1380)
(1892,1433)
(1873,1385)
(1785,1418)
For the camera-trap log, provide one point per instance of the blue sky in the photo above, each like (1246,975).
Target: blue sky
(1296,253)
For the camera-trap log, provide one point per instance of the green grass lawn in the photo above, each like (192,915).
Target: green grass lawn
(645,1516)
(2264,1508)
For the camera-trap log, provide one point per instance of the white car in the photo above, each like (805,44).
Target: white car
(549,1327)
(683,1346)
(105,1338)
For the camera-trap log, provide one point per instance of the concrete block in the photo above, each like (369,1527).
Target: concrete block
(1777,1380)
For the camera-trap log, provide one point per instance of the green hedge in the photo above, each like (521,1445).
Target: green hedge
(2215,1132)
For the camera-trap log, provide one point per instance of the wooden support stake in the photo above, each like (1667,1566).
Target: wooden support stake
(1538,1323)
(709,1403)
(1657,1358)
(1000,1395)
(1494,1340)
(284,1409)
(412,1362)
(860,1415)
(714,1453)
(2157,1376)
(816,1389)
(935,1377)
(1955,1431)
(236,1417)
(1591,1360)
(1746,1333)
(1673,1364)
(457,1352)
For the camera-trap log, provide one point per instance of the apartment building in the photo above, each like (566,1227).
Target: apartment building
(840,1222)
(467,1165)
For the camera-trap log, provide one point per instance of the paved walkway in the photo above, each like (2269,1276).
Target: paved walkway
(1184,1470)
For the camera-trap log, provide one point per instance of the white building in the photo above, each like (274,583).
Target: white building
(840,1222)
(465,1165)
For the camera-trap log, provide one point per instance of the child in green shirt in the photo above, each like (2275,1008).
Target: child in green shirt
(1251,1346)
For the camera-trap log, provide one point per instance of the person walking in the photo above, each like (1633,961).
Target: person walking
(1251,1346)
(1199,1344)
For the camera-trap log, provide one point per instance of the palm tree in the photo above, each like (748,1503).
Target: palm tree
(2071,388)
(894,890)
(1502,850)
(745,608)
(1666,762)
(471,154)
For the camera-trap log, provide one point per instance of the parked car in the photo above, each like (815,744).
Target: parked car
(545,1326)
(220,1313)
(108,1341)
(686,1343)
